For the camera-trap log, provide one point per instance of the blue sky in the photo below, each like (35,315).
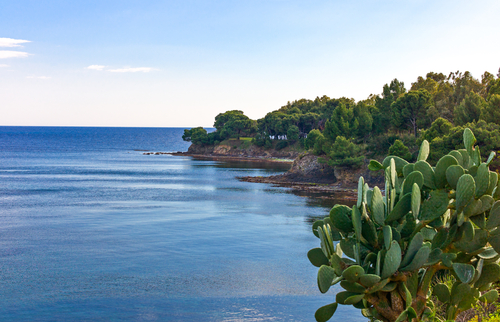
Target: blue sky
(180,63)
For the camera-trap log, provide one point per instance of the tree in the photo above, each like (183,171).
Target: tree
(293,133)
(470,109)
(411,109)
(233,124)
(345,153)
(390,248)
(197,135)
(390,93)
(400,150)
(341,123)
(491,111)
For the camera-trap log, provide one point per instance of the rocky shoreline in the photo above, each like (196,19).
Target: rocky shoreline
(307,173)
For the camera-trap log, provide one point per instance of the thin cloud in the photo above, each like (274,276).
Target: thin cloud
(12,54)
(131,70)
(9,42)
(39,77)
(96,67)
(3,65)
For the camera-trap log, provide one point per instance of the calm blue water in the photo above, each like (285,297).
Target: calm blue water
(93,230)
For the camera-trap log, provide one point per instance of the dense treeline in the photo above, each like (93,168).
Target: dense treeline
(435,107)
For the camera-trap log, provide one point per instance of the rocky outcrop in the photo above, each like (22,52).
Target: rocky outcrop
(308,172)
(237,149)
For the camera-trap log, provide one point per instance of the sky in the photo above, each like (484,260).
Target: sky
(180,63)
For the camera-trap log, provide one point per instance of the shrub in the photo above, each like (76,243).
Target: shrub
(345,153)
(400,150)
(445,218)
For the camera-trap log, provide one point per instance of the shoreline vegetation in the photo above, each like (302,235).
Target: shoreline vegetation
(338,136)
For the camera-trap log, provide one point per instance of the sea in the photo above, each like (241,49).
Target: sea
(93,229)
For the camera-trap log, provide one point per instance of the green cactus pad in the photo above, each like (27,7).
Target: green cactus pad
(409,226)
(380,285)
(473,208)
(336,264)
(428,173)
(354,299)
(326,274)
(468,230)
(317,257)
(418,260)
(494,217)
(495,242)
(378,207)
(471,246)
(413,247)
(479,220)
(469,140)
(466,158)
(416,199)
(315,226)
(361,186)
(489,297)
(387,236)
(447,259)
(453,173)
(402,208)
(466,188)
(435,206)
(400,163)
(369,280)
(488,253)
(493,183)
(369,232)
(392,260)
(375,165)
(457,155)
(342,296)
(353,273)
(486,203)
(491,157)
(440,238)
(476,156)
(340,216)
(423,153)
(489,274)
(465,272)
(352,286)
(442,292)
(356,223)
(389,287)
(459,291)
(440,172)
(482,180)
(407,169)
(414,177)
(324,313)
(434,257)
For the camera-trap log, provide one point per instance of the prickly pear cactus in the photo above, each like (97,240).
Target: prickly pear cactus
(385,250)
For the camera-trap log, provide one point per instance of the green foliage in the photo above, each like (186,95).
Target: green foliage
(293,133)
(233,124)
(432,220)
(412,110)
(262,140)
(345,153)
(199,136)
(491,111)
(400,150)
(470,109)
(312,137)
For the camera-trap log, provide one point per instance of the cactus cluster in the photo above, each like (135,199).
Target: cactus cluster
(385,250)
